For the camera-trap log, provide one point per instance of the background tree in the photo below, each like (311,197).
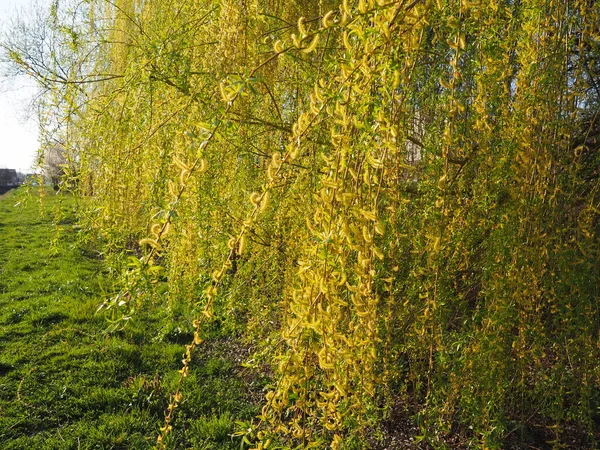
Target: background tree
(55,163)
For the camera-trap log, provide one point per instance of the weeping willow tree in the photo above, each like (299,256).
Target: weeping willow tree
(397,202)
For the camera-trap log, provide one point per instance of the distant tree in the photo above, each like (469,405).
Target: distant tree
(58,48)
(54,163)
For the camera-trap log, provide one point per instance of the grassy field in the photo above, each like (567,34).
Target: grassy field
(65,383)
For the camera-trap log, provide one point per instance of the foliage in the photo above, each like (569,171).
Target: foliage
(392,199)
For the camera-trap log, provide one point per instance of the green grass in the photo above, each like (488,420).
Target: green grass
(67,384)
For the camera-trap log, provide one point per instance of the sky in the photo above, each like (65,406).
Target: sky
(18,127)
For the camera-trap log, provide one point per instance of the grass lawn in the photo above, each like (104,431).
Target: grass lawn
(67,384)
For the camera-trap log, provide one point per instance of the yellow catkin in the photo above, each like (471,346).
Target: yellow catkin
(326,21)
(302,27)
(313,44)
(243,242)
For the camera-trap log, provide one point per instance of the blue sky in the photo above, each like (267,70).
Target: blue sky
(18,130)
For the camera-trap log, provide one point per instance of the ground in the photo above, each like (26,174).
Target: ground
(65,383)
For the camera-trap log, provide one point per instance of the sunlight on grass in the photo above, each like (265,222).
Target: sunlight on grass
(64,382)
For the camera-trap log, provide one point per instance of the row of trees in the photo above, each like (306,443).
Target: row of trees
(397,202)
